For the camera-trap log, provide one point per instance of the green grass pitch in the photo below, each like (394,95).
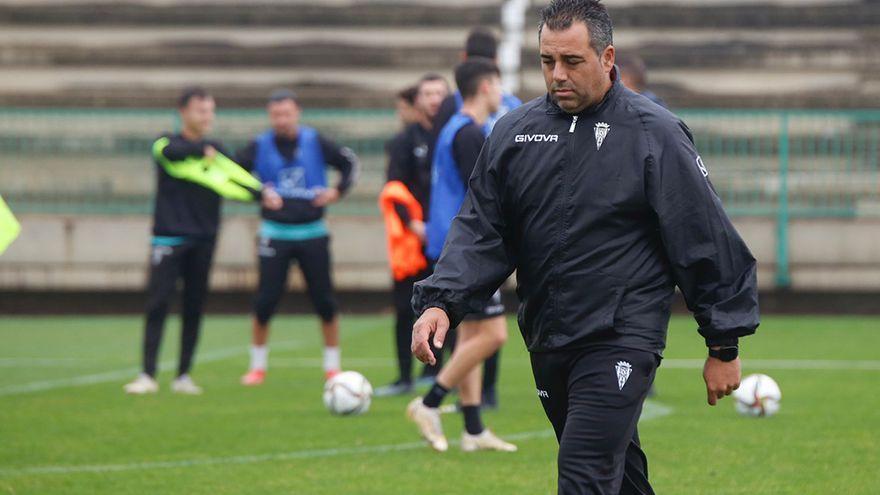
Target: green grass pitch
(66,426)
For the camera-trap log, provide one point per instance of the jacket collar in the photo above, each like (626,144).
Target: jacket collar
(611,95)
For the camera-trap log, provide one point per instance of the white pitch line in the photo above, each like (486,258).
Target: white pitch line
(652,411)
(782,364)
(121,374)
(778,364)
(36,362)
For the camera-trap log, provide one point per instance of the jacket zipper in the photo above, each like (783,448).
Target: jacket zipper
(574,121)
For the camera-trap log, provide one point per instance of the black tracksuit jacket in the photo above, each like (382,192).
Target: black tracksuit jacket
(599,235)
(184,208)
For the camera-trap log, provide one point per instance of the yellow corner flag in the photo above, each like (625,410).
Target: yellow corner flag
(9,226)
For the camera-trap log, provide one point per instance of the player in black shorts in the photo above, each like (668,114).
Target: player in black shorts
(293,160)
(485,331)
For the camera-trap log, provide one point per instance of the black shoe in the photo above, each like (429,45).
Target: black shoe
(400,387)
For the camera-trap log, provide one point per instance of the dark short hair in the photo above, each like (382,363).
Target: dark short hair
(430,77)
(191,92)
(560,15)
(481,42)
(282,94)
(470,73)
(408,94)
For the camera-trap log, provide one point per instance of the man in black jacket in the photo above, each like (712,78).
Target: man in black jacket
(410,163)
(599,200)
(192,174)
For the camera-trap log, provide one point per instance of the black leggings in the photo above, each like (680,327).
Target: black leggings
(190,261)
(593,397)
(313,257)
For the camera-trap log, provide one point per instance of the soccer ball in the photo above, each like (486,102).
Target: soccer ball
(348,393)
(758,395)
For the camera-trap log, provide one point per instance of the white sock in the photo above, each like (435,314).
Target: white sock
(259,357)
(332,359)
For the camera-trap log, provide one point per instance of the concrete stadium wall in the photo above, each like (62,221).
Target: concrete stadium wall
(109,253)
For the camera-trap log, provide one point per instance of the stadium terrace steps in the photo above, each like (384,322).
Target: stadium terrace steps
(416,48)
(145,68)
(360,87)
(355,54)
(633,13)
(257,13)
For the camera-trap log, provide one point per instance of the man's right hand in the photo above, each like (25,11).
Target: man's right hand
(210,152)
(433,322)
(271,199)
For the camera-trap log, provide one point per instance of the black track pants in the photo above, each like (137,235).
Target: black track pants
(593,397)
(190,261)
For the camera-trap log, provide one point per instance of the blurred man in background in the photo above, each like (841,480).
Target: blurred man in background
(481,42)
(409,164)
(293,159)
(634,75)
(484,330)
(185,223)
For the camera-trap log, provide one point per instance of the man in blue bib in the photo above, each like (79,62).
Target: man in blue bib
(292,159)
(485,330)
(480,42)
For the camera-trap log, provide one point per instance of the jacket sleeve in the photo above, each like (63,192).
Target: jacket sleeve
(475,260)
(181,149)
(711,263)
(344,160)
(220,174)
(246,156)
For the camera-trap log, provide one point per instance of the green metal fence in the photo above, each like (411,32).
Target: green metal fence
(779,164)
(786,164)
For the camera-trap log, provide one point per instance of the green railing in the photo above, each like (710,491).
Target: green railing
(791,163)
(779,164)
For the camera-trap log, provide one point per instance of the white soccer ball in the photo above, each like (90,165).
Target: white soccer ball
(348,393)
(758,395)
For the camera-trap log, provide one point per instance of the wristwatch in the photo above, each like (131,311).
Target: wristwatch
(726,353)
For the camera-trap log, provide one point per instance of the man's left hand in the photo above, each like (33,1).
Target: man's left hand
(722,378)
(326,197)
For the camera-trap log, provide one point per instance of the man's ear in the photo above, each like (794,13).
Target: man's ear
(485,86)
(607,58)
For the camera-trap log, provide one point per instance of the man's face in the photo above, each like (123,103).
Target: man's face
(430,96)
(198,115)
(408,114)
(576,77)
(284,117)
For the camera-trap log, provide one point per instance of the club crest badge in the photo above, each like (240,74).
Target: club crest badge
(623,371)
(601,131)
